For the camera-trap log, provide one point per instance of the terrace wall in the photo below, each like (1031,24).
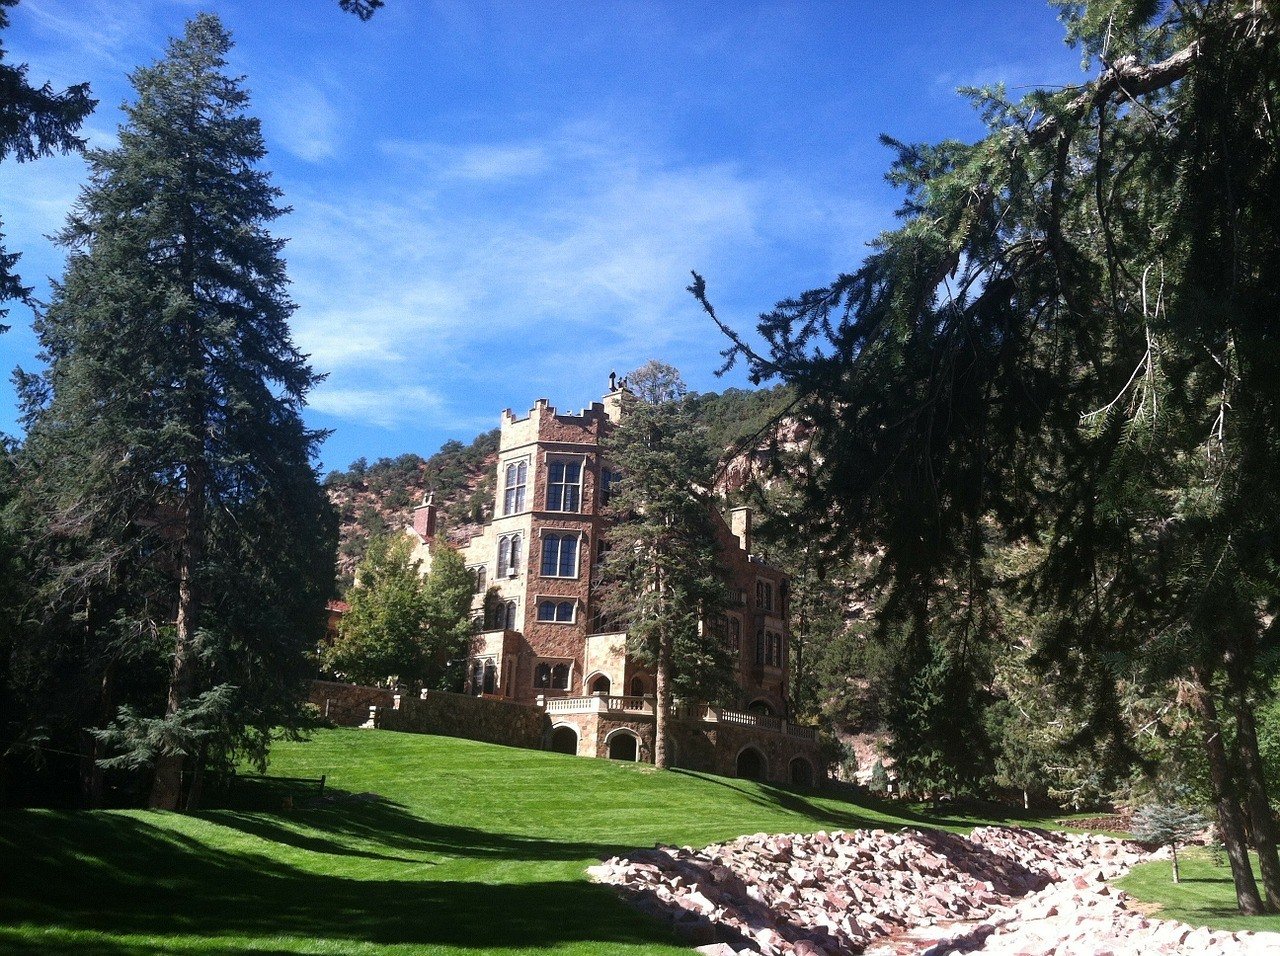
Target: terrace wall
(487,719)
(347,705)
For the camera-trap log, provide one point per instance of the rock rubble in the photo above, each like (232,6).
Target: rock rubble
(999,890)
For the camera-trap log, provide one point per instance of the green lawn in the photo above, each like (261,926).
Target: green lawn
(471,848)
(1204,897)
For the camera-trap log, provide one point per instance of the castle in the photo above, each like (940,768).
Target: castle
(543,641)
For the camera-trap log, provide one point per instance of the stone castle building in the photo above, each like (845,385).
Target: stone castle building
(543,640)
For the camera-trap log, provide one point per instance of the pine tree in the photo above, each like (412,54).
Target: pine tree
(1070,342)
(166,457)
(35,121)
(662,577)
(1168,824)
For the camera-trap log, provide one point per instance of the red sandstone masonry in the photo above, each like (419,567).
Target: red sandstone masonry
(347,705)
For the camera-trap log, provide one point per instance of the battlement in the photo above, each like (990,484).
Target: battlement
(545,423)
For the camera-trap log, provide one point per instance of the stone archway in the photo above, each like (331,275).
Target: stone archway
(751,764)
(623,745)
(564,740)
(760,707)
(598,685)
(800,772)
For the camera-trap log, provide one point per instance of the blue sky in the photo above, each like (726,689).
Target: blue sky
(495,202)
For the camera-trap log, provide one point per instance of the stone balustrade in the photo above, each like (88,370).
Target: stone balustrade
(597,703)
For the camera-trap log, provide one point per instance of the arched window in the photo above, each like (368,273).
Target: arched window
(509,548)
(560,556)
(637,686)
(560,676)
(490,677)
(599,685)
(513,489)
(509,615)
(559,611)
(542,675)
(564,485)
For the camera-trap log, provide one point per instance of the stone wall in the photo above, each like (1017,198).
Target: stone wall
(347,705)
(485,719)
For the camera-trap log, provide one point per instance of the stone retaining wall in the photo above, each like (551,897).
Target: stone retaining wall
(347,705)
(486,719)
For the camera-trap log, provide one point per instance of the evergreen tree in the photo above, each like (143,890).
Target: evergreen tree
(180,517)
(1168,824)
(35,121)
(1070,342)
(662,578)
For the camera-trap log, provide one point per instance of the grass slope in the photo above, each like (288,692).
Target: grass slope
(473,848)
(1204,897)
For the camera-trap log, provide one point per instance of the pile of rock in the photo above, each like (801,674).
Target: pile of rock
(1076,917)
(835,893)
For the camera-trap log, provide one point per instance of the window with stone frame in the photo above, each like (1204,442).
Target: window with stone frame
(760,647)
(557,612)
(548,675)
(479,574)
(608,478)
(509,614)
(564,485)
(514,485)
(733,634)
(772,646)
(559,555)
(764,595)
(509,549)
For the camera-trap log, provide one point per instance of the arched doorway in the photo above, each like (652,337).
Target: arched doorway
(760,708)
(750,765)
(599,685)
(637,686)
(623,745)
(564,740)
(801,772)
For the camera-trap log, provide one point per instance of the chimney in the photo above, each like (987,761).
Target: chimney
(612,400)
(424,518)
(740,525)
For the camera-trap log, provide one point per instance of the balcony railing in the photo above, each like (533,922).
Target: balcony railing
(598,703)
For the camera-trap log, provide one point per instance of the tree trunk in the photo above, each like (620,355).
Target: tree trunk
(1261,823)
(1173,850)
(662,703)
(166,790)
(1230,819)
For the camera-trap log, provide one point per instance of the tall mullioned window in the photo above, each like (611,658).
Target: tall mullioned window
(564,485)
(560,556)
(509,546)
(517,477)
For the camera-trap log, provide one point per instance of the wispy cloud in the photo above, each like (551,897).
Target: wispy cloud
(299,117)
(504,258)
(384,408)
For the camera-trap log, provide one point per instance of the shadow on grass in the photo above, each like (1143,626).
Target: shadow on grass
(859,816)
(120,874)
(357,826)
